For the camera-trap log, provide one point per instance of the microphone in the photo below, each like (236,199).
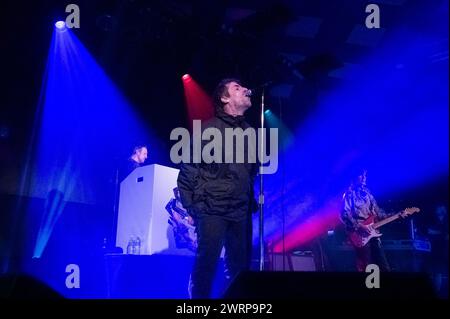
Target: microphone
(248,93)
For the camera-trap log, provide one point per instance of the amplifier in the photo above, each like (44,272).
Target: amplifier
(407,244)
(295,261)
(397,244)
(403,255)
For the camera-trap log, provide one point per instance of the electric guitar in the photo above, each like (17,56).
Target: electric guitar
(184,230)
(361,237)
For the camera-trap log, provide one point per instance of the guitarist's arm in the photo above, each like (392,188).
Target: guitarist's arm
(379,212)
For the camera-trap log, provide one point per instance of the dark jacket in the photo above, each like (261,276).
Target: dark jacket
(224,189)
(127,167)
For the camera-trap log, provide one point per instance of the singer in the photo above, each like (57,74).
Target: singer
(220,197)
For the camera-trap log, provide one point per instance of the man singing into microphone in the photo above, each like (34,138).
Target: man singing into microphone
(219,196)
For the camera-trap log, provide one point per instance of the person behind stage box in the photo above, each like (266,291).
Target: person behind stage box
(219,197)
(136,159)
(358,205)
(182,223)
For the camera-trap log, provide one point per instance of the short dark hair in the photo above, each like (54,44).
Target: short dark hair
(138,147)
(220,91)
(356,171)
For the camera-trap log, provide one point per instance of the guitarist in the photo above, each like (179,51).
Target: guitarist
(359,205)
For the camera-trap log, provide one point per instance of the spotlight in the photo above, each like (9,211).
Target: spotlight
(267,112)
(61,25)
(186,77)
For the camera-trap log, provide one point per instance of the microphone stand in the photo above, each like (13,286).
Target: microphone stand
(261,188)
(115,206)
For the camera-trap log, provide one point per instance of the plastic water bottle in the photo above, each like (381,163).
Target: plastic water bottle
(131,246)
(137,246)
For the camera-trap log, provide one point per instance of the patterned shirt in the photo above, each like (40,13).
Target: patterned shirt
(359,204)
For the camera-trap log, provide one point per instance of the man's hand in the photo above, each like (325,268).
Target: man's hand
(365,228)
(190,220)
(403,215)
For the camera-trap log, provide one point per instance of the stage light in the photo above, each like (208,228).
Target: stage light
(61,25)
(267,112)
(71,96)
(199,103)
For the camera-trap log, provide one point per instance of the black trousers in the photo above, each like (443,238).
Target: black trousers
(214,233)
(371,253)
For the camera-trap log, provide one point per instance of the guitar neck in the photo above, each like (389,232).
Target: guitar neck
(386,220)
(180,211)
